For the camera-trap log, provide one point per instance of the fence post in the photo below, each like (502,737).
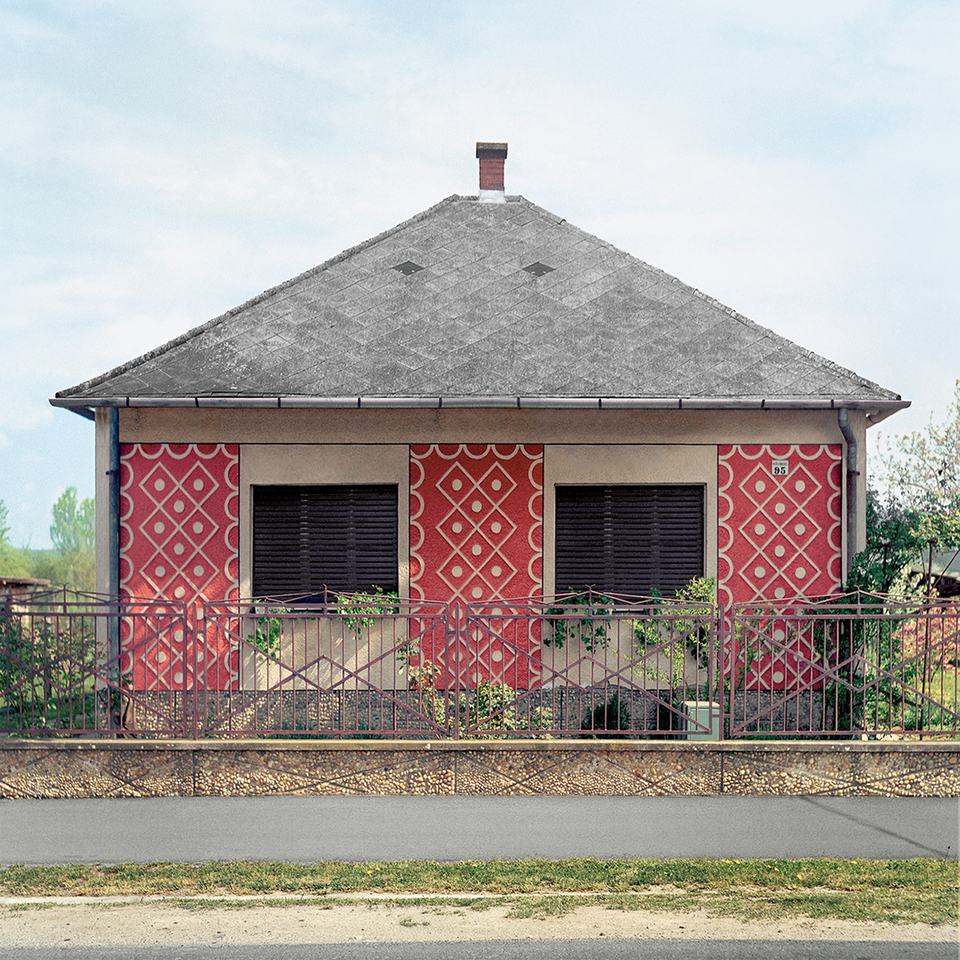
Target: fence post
(453,640)
(718,663)
(729,652)
(714,673)
(200,623)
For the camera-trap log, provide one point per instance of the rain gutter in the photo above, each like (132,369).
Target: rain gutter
(877,410)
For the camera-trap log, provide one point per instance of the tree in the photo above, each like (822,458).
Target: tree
(920,511)
(72,530)
(892,543)
(73,536)
(922,469)
(12,561)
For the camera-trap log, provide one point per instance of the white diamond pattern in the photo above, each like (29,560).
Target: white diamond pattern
(476,509)
(475,528)
(778,529)
(176,515)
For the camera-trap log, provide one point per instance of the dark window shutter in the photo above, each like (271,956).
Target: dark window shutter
(629,539)
(343,537)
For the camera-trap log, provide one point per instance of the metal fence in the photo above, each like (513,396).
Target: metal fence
(836,669)
(584,666)
(68,664)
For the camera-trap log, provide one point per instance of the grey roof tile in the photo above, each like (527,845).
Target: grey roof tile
(474,323)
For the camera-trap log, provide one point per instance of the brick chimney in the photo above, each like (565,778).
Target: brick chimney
(491,157)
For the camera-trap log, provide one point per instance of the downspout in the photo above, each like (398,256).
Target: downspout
(853,473)
(122,718)
(113,563)
(113,506)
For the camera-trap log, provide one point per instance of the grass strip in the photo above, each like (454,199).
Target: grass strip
(482,876)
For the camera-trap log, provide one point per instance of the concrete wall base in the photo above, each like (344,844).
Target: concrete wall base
(61,769)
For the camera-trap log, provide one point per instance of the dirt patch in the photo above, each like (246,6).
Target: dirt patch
(105,922)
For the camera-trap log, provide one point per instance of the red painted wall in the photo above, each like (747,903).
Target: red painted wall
(179,540)
(780,539)
(476,536)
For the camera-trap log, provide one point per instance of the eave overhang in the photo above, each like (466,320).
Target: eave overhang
(877,410)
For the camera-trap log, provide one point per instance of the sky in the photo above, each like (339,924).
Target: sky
(161,163)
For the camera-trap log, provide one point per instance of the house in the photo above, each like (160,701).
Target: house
(14,589)
(944,571)
(483,402)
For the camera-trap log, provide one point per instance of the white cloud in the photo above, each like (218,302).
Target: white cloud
(163,163)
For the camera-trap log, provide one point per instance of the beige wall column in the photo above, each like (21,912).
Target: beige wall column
(102,497)
(858,423)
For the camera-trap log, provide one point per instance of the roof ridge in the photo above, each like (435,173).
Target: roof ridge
(259,298)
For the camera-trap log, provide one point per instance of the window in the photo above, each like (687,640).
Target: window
(342,536)
(629,539)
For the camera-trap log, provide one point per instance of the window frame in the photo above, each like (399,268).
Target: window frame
(606,512)
(342,537)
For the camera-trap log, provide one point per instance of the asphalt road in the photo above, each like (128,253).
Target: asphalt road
(516,950)
(308,829)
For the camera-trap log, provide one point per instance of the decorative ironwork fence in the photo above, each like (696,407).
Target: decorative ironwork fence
(840,669)
(330,669)
(583,666)
(68,664)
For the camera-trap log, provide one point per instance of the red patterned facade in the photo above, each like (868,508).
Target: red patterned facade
(780,539)
(179,539)
(476,536)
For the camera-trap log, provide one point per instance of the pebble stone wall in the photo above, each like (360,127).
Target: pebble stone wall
(88,768)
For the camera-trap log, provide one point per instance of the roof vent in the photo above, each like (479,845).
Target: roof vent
(539,269)
(408,267)
(491,157)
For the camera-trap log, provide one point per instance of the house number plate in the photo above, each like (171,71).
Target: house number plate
(780,468)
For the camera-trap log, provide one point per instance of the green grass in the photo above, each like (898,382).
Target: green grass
(896,891)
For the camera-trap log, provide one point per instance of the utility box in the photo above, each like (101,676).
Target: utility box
(701,719)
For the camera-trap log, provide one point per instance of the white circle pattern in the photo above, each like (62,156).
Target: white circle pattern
(153,554)
(502,499)
(806,513)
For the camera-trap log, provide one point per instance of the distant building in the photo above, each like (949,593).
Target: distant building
(13,589)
